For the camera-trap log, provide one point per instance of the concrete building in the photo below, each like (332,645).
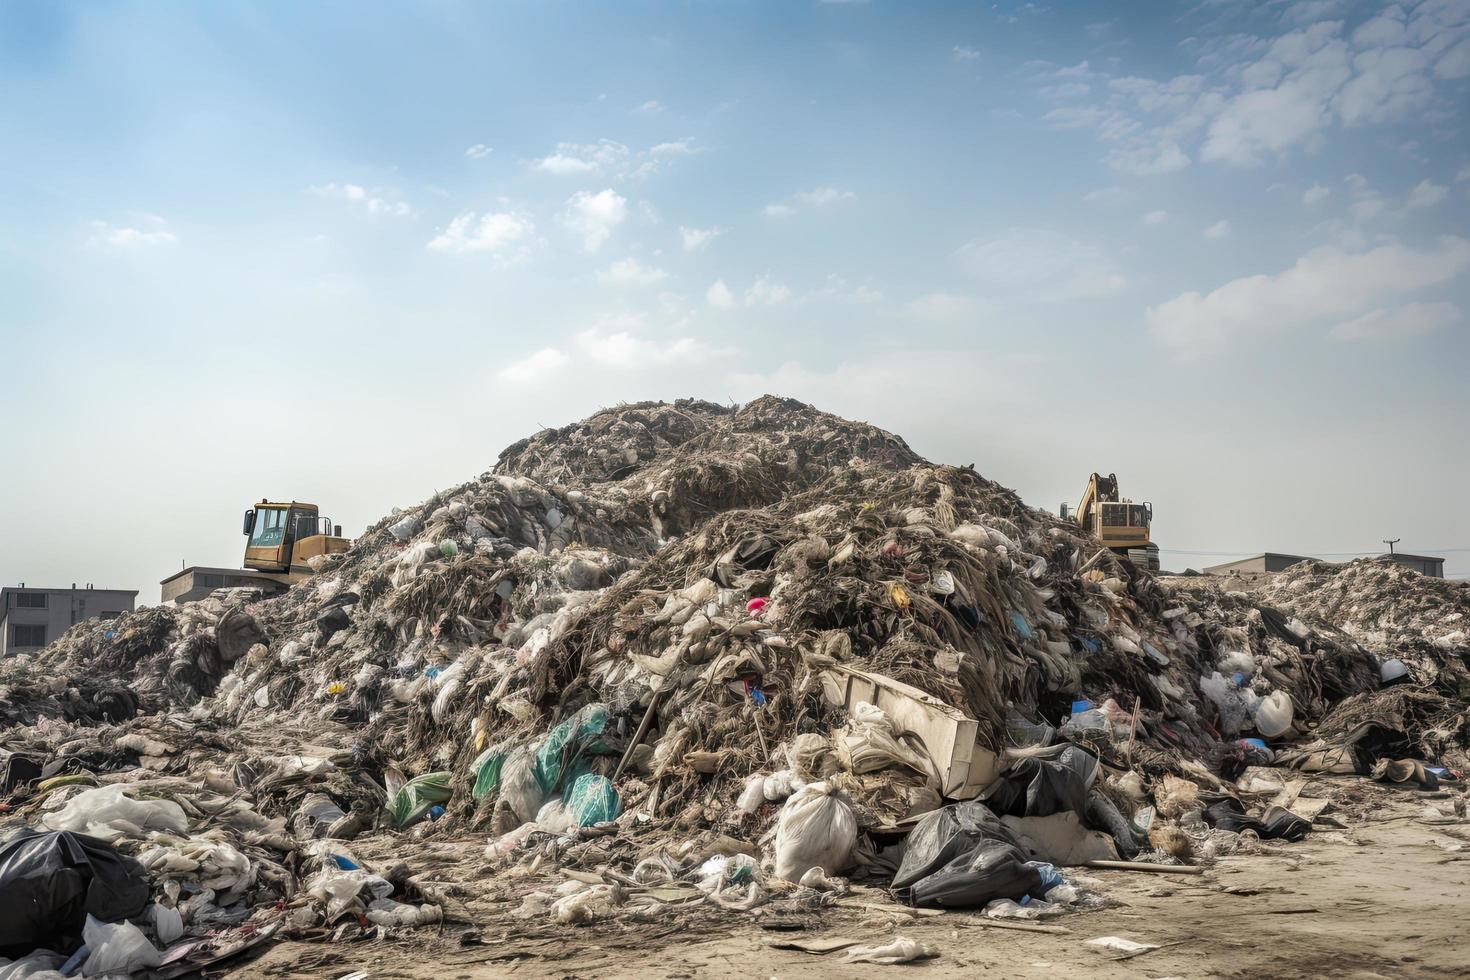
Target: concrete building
(32,618)
(1423,564)
(1264,564)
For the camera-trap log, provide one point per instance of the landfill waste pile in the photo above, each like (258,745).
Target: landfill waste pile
(1419,620)
(676,659)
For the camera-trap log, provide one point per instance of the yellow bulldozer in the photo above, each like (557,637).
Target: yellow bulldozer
(1121,525)
(281,538)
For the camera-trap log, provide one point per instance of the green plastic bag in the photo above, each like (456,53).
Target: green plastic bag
(486,769)
(581,733)
(418,796)
(592,799)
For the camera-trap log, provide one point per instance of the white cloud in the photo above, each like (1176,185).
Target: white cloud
(1148,159)
(1065,90)
(533,367)
(1078,70)
(1326,282)
(1315,194)
(1103,195)
(818,197)
(1426,194)
(479,151)
(112,236)
(962,53)
(823,196)
(1463,175)
(1454,63)
(630,271)
(572,159)
(1155,217)
(622,349)
(650,107)
(696,239)
(674,148)
(1254,99)
(942,306)
(374,202)
(489,232)
(1041,264)
(594,216)
(764,292)
(840,290)
(719,296)
(1218,230)
(562,165)
(1410,320)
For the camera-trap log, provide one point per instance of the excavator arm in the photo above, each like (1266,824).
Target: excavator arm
(1099,488)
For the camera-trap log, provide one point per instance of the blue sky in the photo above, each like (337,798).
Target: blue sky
(348,252)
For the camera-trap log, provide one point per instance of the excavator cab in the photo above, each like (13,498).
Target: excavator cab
(1121,525)
(281,537)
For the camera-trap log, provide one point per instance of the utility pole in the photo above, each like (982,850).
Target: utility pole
(1390,543)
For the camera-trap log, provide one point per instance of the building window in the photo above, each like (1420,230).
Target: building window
(22,635)
(30,600)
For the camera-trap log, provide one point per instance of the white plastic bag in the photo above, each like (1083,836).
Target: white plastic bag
(816,829)
(868,743)
(1273,714)
(117,947)
(107,812)
(167,923)
(519,787)
(753,795)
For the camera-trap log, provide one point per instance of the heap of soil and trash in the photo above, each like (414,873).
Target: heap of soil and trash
(678,660)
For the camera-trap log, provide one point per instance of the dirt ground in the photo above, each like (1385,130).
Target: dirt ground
(1388,895)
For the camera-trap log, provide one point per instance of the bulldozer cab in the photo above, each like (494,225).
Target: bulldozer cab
(280,537)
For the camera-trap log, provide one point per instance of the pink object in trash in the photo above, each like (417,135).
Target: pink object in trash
(756,606)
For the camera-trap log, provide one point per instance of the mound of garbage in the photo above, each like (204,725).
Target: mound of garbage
(727,655)
(1393,610)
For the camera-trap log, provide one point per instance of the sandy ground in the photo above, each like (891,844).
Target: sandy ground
(1388,896)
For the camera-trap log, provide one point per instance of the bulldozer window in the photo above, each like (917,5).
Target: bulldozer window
(1138,516)
(1115,515)
(270,527)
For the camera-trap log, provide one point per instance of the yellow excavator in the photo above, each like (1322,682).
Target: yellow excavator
(281,538)
(1121,525)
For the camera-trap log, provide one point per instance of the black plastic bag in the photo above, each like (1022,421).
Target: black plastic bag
(1041,785)
(1277,823)
(962,856)
(51,882)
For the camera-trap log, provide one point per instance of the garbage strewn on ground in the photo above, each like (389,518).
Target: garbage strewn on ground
(759,660)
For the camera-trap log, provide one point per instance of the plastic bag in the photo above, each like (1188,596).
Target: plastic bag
(1273,714)
(962,856)
(43,964)
(519,787)
(167,923)
(579,734)
(592,800)
(869,743)
(754,794)
(486,769)
(119,947)
(413,802)
(1040,785)
(110,812)
(50,883)
(816,829)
